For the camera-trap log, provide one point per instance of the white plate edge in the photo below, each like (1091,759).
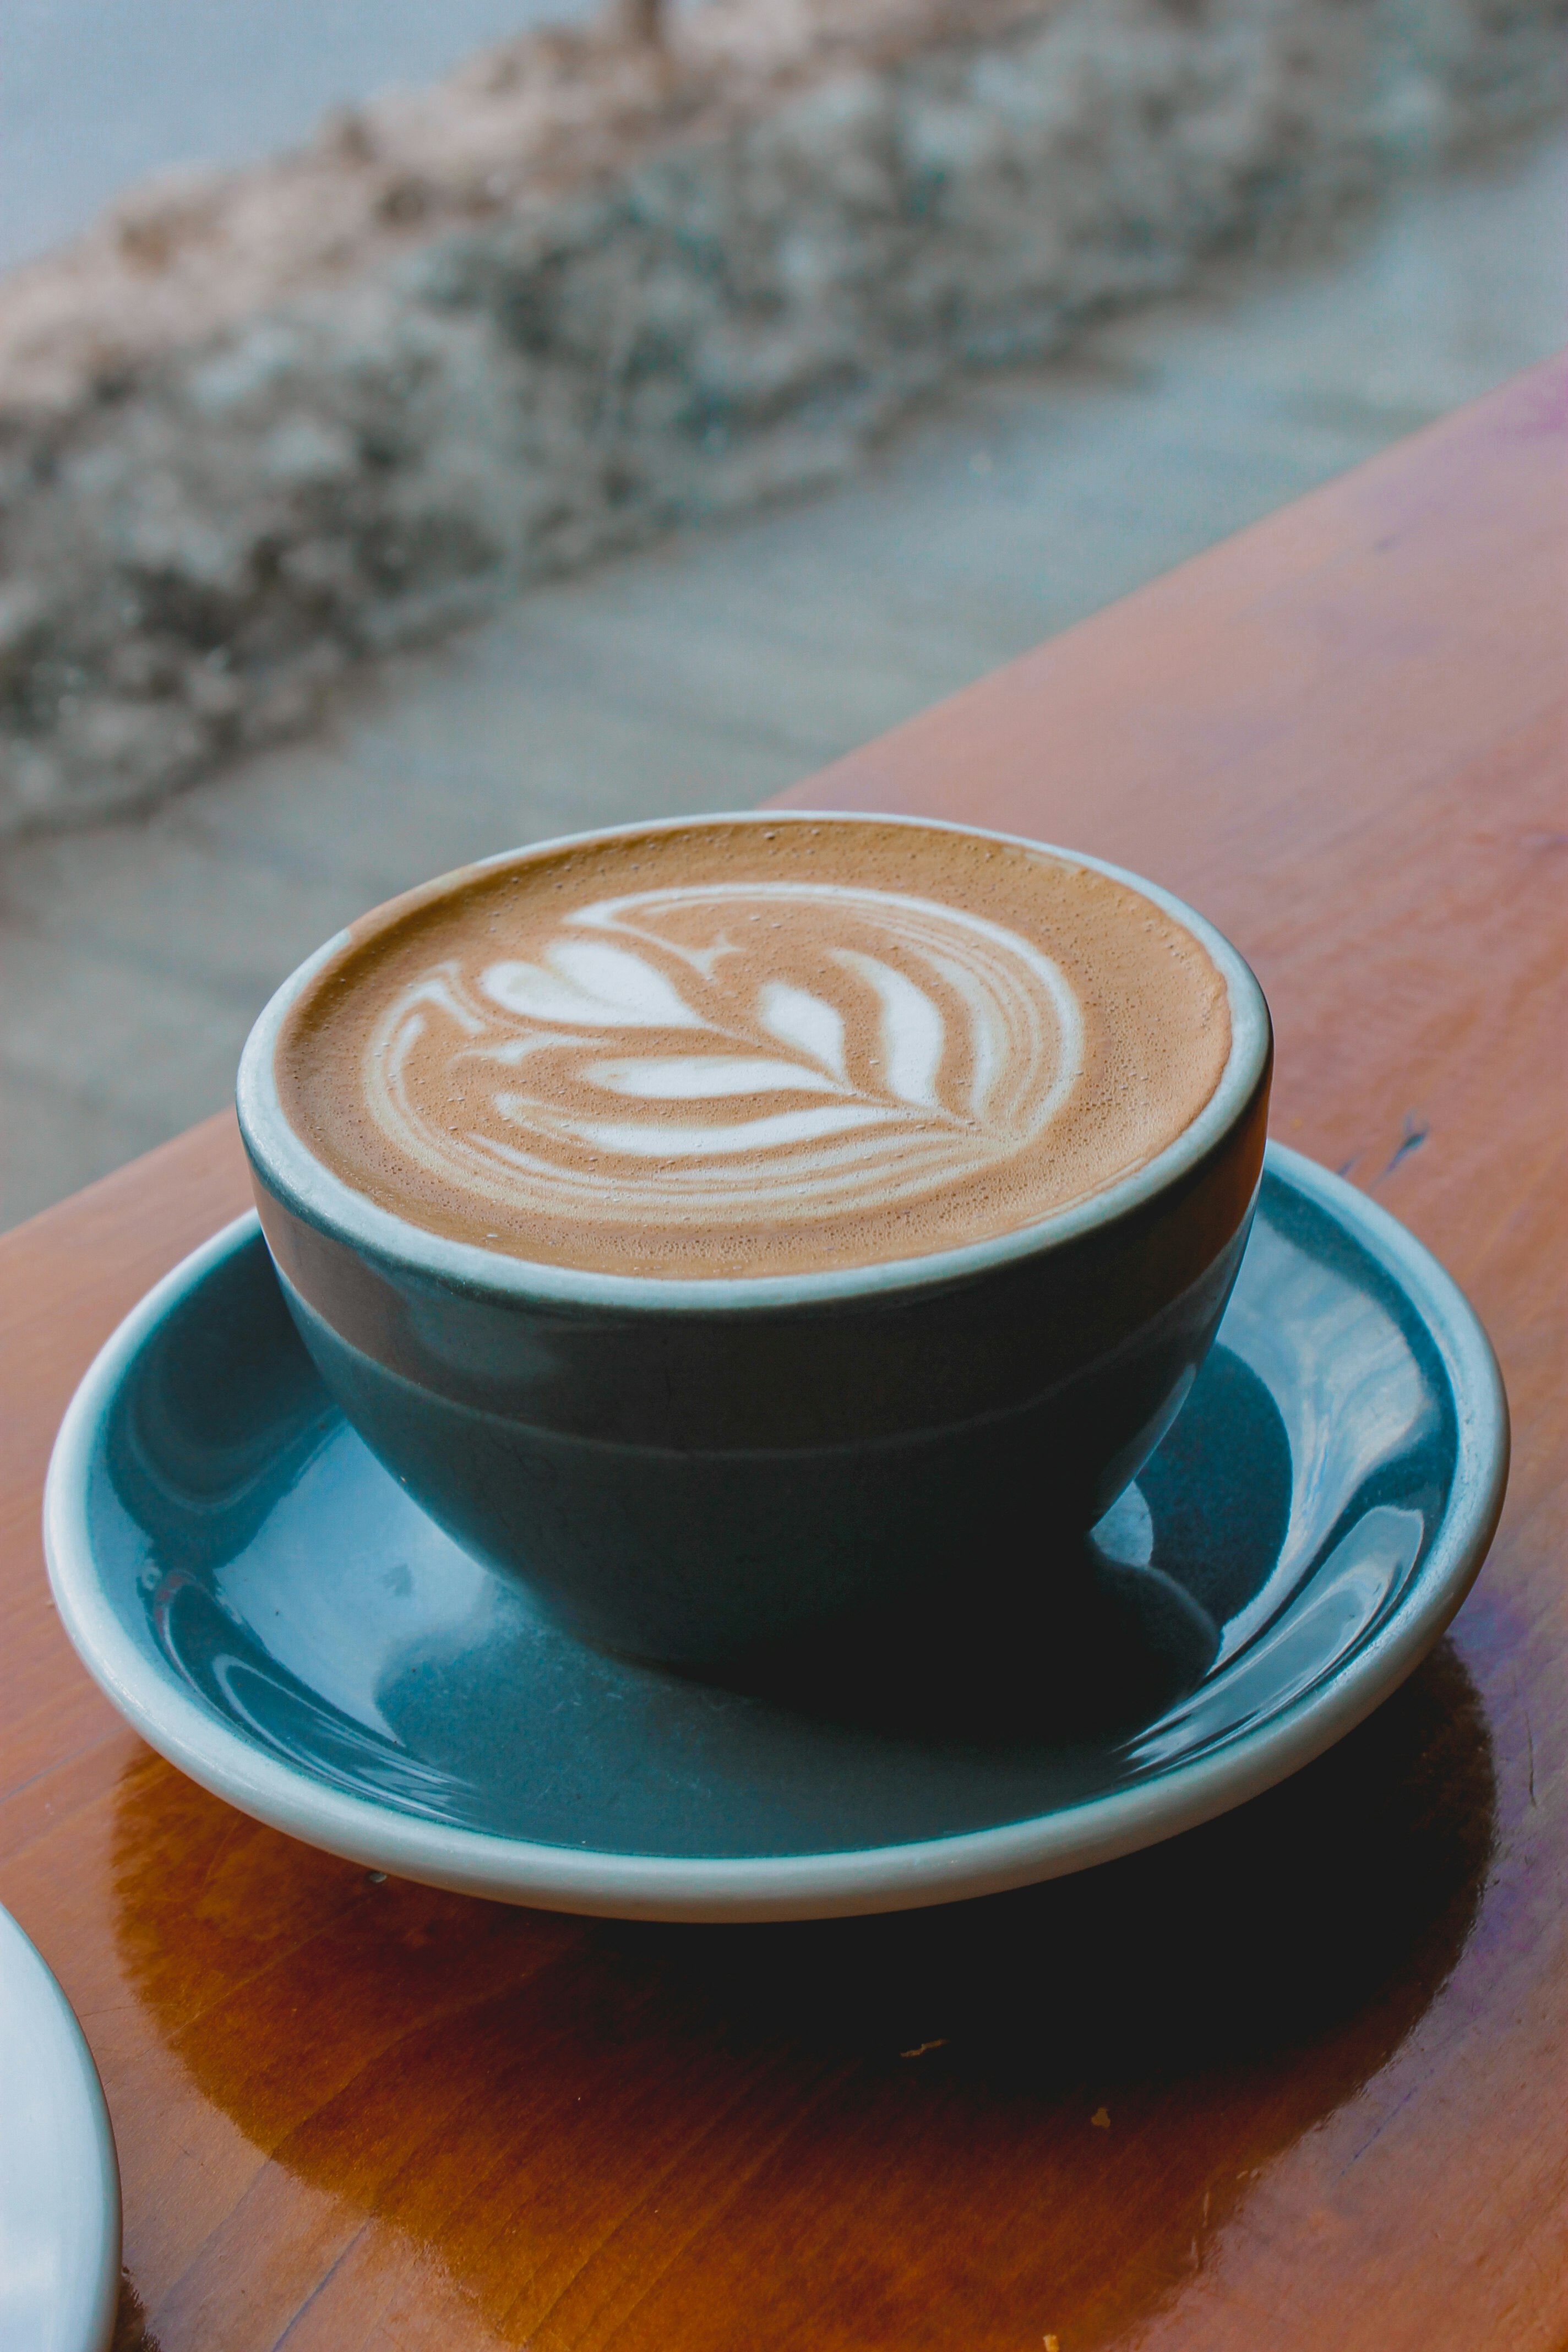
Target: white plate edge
(87,2325)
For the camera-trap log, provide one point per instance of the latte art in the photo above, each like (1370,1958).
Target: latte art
(753,1046)
(786,1050)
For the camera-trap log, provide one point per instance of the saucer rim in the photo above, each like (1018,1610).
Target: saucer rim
(89,2226)
(811,1886)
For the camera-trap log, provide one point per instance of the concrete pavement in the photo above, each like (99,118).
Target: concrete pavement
(714,670)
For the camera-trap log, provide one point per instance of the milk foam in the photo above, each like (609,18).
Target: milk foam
(651,1061)
(744,1046)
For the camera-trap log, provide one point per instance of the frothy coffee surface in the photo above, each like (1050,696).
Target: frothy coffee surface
(754,1046)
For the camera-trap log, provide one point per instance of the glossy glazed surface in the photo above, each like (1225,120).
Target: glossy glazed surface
(59,2183)
(697,1470)
(1294,2078)
(218,1535)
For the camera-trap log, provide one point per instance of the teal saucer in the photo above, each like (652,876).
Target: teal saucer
(267,1608)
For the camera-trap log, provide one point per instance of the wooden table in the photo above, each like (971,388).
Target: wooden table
(1298,2079)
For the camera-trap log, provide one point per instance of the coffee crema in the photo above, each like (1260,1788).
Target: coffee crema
(753,1045)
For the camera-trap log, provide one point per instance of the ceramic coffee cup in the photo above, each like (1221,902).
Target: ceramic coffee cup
(699,1471)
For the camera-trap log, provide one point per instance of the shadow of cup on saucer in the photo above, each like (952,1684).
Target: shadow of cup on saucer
(1086,1648)
(1083,1639)
(605,2089)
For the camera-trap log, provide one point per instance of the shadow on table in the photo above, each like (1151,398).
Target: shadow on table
(1253,1936)
(613,2092)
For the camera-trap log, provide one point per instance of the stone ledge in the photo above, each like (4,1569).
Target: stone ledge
(338,419)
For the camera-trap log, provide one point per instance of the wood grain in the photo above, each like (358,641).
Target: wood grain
(1296,2080)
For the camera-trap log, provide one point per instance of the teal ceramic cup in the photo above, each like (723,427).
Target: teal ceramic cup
(706,1471)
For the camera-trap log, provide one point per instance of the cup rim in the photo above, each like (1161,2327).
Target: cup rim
(290,1169)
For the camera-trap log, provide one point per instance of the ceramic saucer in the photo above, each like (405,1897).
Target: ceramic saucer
(269,1610)
(59,2183)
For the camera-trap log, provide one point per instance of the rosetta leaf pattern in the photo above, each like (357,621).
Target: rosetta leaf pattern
(784,1050)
